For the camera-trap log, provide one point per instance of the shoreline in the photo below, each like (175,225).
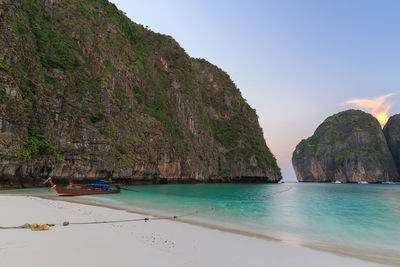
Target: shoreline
(339,251)
(158,181)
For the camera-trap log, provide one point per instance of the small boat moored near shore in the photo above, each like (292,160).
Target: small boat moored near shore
(76,190)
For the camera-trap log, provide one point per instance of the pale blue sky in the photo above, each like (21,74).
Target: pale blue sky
(294,61)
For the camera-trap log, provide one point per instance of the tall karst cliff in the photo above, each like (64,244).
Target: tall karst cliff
(348,147)
(86,93)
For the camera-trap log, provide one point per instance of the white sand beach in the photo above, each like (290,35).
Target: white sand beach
(152,243)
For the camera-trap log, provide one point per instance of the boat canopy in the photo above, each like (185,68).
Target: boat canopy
(100,185)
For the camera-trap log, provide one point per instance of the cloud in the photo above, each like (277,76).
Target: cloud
(378,106)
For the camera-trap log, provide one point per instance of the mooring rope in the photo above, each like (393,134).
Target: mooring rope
(25,226)
(137,220)
(279,192)
(38,226)
(127,189)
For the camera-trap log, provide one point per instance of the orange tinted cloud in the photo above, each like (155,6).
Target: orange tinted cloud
(378,106)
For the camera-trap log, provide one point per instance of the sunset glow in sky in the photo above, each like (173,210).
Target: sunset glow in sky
(378,106)
(296,62)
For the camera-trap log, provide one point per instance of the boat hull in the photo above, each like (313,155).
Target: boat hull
(62,191)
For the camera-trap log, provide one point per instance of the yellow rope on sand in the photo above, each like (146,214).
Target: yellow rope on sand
(33,226)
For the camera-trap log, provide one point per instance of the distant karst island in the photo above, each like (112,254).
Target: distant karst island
(350,146)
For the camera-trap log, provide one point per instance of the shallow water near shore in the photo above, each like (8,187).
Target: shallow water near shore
(363,217)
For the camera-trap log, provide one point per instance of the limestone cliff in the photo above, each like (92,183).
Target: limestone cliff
(348,147)
(392,134)
(85,93)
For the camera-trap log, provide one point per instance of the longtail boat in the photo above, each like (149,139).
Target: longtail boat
(76,190)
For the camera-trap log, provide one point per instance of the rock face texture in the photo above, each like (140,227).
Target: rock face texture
(85,94)
(392,134)
(349,147)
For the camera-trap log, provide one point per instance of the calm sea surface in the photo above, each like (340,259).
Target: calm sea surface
(352,215)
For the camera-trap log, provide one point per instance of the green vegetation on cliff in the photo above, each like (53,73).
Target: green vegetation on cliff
(337,128)
(350,121)
(85,76)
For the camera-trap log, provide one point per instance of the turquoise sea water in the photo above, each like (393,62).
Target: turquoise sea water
(351,215)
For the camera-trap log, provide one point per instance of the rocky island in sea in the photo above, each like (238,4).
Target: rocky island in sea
(349,146)
(85,93)
(391,130)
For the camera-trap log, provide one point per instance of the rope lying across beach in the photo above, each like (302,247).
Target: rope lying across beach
(33,226)
(25,226)
(138,220)
(36,227)
(47,226)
